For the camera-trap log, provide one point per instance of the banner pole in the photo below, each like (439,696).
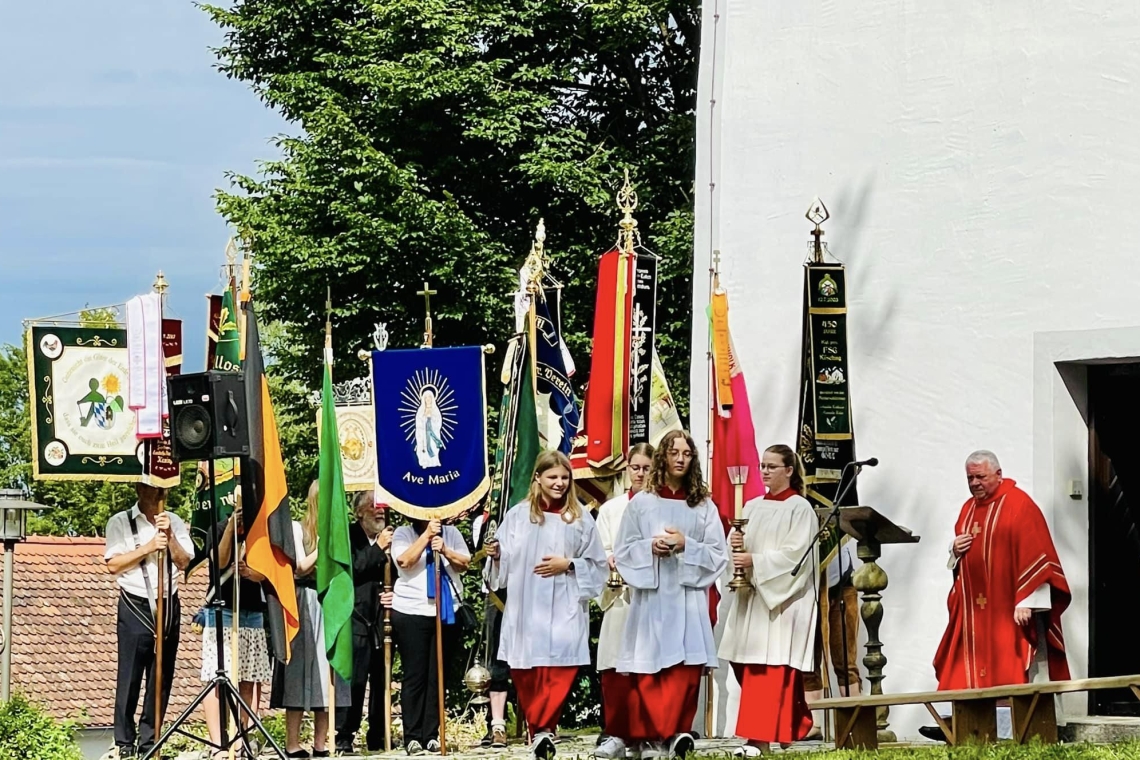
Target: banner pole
(439,652)
(331,740)
(388,661)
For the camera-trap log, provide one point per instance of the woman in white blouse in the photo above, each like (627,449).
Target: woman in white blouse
(413,621)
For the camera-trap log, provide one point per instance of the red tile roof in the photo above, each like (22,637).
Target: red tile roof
(63,630)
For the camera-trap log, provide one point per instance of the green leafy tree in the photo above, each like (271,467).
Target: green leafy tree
(429,138)
(431,135)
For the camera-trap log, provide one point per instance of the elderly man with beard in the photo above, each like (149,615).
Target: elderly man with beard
(370,537)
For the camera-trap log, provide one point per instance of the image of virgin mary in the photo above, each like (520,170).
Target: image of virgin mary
(429,427)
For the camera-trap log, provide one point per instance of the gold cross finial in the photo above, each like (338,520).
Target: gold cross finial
(627,203)
(160,285)
(427,293)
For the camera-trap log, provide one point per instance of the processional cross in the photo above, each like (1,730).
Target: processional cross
(427,293)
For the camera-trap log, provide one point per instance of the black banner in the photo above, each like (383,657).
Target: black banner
(826,435)
(642,332)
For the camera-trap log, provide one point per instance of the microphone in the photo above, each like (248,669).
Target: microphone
(872,462)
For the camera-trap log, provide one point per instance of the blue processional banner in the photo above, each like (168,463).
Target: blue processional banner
(558,414)
(431,430)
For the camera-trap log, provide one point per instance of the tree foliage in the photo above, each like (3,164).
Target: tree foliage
(431,137)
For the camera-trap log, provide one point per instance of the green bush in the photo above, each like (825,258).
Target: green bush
(27,733)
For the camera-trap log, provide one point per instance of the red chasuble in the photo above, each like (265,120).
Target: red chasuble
(1012,555)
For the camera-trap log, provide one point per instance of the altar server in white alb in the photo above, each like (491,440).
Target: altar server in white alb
(670,549)
(769,632)
(615,606)
(549,557)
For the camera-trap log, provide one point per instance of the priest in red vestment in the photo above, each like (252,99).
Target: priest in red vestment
(1009,589)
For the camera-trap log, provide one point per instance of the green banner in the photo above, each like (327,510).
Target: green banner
(82,428)
(826,434)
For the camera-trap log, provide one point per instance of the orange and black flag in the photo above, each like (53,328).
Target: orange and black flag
(269,543)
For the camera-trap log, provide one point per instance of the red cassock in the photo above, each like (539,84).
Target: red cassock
(1011,556)
(662,705)
(773,707)
(543,692)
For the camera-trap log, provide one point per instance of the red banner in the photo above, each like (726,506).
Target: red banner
(160,469)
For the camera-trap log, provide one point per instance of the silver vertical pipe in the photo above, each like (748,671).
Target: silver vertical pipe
(6,674)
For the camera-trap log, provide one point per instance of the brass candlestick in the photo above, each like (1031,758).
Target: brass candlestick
(738,476)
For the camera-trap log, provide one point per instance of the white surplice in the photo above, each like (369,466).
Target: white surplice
(546,622)
(669,601)
(773,622)
(614,604)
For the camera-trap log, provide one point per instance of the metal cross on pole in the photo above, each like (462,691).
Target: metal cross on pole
(427,293)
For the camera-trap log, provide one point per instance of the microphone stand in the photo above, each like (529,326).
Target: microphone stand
(834,515)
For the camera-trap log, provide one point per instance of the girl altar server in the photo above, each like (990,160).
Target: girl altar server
(670,550)
(548,555)
(769,633)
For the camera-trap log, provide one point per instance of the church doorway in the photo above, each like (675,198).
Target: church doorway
(1114,530)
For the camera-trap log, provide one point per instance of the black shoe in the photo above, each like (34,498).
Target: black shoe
(486,740)
(299,754)
(320,753)
(934,733)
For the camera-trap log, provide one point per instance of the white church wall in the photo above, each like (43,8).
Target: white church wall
(980,163)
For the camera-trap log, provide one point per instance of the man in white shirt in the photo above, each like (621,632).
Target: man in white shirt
(134,539)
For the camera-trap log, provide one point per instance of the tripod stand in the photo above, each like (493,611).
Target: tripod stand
(229,698)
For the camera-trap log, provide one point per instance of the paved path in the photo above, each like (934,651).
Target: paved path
(570,747)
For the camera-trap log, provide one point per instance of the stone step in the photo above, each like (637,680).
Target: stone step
(1099,729)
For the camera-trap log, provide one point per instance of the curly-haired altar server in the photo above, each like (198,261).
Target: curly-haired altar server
(549,557)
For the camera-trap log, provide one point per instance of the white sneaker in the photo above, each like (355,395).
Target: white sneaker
(610,749)
(681,745)
(543,746)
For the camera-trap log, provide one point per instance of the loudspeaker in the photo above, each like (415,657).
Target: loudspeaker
(208,416)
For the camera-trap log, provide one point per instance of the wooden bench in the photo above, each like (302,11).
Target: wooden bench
(974,713)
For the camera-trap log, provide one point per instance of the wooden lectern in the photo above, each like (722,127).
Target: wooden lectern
(871,530)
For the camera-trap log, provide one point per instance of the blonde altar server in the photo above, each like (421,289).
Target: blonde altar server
(615,606)
(549,557)
(670,549)
(769,633)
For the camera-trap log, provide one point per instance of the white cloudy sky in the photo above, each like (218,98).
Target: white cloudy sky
(115,132)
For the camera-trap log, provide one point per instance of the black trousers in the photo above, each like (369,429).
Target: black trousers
(367,667)
(135,628)
(414,636)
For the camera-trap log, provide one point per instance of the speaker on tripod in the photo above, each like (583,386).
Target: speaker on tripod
(208,417)
(209,421)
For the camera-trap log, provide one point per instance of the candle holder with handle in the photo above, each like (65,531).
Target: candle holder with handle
(738,476)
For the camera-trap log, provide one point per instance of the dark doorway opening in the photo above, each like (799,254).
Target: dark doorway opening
(1114,531)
